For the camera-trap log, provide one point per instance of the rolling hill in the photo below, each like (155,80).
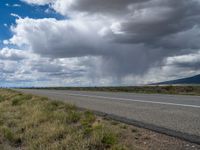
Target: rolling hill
(189,80)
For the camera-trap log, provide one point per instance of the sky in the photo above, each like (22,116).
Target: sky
(98,42)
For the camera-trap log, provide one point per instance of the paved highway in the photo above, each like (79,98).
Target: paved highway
(171,114)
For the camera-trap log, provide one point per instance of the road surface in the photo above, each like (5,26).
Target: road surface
(170,114)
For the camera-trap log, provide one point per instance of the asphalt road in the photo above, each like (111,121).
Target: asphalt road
(170,114)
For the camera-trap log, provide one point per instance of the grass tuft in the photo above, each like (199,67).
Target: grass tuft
(109,139)
(134,130)
(2,98)
(87,122)
(73,117)
(18,100)
(10,136)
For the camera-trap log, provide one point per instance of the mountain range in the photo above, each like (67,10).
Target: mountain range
(189,80)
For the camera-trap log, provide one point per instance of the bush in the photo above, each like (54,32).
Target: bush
(87,122)
(73,117)
(10,136)
(54,105)
(89,117)
(109,139)
(134,130)
(18,100)
(2,98)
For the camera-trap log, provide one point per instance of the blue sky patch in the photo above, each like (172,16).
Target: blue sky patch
(8,7)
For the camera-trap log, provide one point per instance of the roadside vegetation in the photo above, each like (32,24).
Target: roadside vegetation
(35,123)
(180,90)
(31,122)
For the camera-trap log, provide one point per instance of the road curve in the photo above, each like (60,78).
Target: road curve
(170,114)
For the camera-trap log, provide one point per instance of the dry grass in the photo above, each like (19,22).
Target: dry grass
(31,122)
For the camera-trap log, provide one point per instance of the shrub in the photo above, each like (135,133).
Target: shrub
(114,123)
(87,122)
(73,117)
(109,139)
(124,126)
(10,136)
(134,130)
(18,100)
(2,98)
(89,117)
(69,107)
(43,98)
(53,105)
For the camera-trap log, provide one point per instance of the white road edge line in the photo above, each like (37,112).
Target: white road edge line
(133,100)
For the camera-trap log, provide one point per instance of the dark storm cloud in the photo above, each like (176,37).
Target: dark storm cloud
(165,28)
(128,37)
(191,65)
(68,73)
(46,67)
(156,20)
(108,7)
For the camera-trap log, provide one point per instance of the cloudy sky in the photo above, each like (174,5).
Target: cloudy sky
(98,42)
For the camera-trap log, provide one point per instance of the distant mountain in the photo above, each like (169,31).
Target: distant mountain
(189,80)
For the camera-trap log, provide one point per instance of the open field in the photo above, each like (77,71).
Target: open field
(32,122)
(179,90)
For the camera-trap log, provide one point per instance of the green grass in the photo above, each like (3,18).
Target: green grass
(35,123)
(109,138)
